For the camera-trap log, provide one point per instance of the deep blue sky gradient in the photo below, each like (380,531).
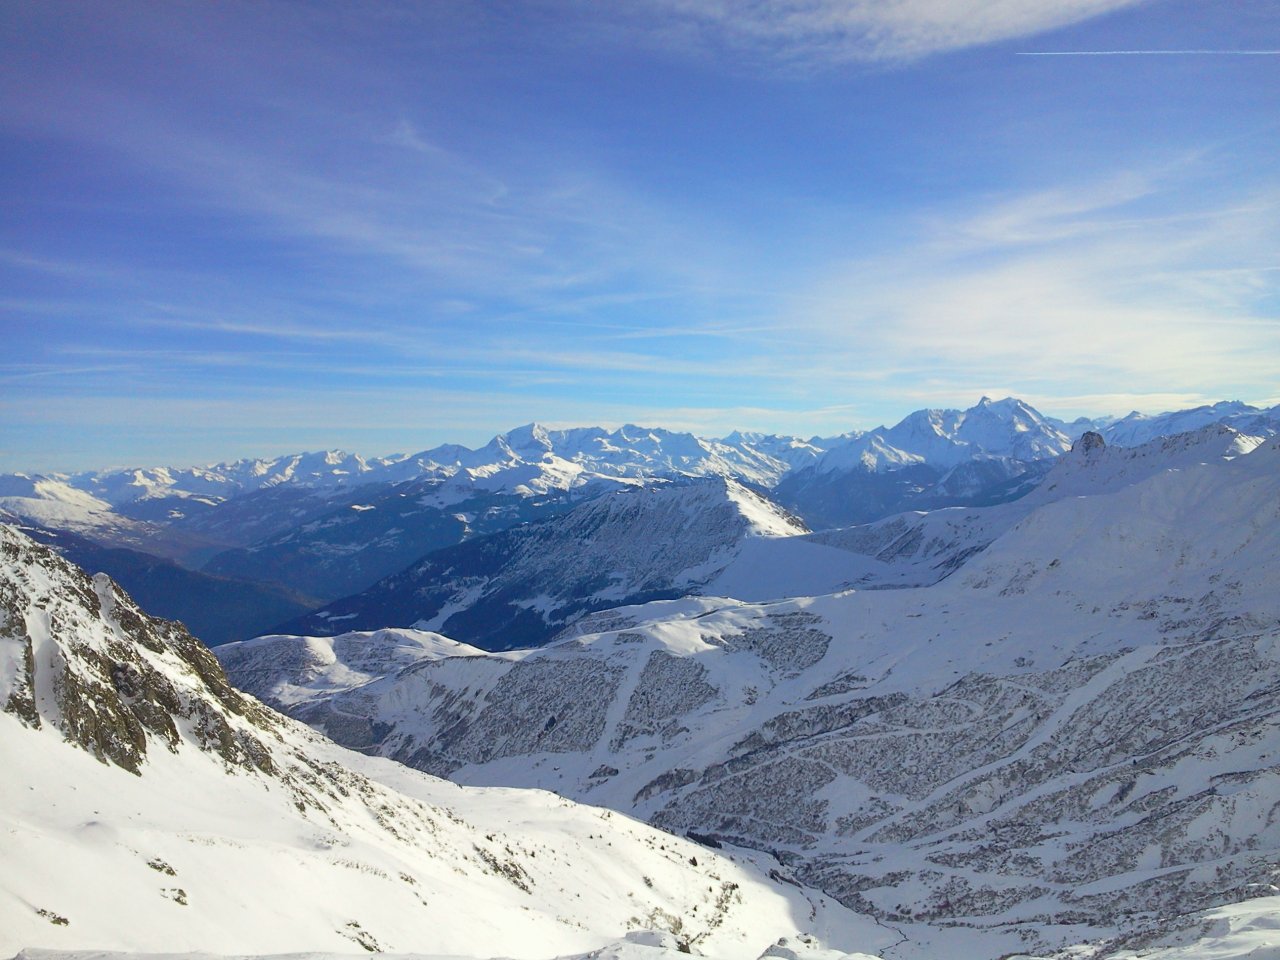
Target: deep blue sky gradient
(237,229)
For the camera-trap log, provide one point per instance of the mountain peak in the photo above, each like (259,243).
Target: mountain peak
(1089,441)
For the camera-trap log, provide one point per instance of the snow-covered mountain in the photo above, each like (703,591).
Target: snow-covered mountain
(523,585)
(330,524)
(386,528)
(1074,737)
(528,460)
(149,807)
(1138,428)
(535,460)
(994,451)
(289,669)
(571,457)
(919,548)
(52,502)
(1004,429)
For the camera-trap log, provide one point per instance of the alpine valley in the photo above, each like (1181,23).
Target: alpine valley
(984,684)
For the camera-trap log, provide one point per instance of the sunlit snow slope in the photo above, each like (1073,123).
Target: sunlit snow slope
(148,806)
(1076,735)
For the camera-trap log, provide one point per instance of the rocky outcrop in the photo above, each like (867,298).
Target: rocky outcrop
(1089,441)
(115,681)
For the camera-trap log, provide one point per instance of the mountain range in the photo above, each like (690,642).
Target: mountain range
(314,528)
(1047,726)
(1073,735)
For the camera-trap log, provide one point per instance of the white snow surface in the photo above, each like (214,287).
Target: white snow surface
(920,548)
(300,668)
(1074,737)
(243,833)
(54,502)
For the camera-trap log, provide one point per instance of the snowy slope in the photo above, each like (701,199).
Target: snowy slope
(920,548)
(1076,737)
(54,503)
(1138,428)
(147,806)
(286,670)
(521,586)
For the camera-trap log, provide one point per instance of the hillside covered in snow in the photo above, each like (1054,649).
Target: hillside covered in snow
(523,585)
(1075,736)
(149,807)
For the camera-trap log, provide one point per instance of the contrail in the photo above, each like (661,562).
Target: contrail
(1148,53)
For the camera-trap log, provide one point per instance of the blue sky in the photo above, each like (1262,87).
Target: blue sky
(244,228)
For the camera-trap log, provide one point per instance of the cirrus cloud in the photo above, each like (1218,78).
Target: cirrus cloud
(870,30)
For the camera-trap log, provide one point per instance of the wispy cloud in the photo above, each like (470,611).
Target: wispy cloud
(1148,53)
(1062,295)
(835,31)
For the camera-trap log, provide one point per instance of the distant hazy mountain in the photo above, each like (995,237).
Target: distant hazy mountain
(1138,428)
(521,586)
(330,524)
(215,609)
(991,452)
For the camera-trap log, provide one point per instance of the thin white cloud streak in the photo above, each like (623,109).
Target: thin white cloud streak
(836,31)
(1068,299)
(1148,53)
(276,330)
(1045,216)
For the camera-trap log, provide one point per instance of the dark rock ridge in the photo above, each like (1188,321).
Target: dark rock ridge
(106,675)
(524,585)
(215,609)
(1089,441)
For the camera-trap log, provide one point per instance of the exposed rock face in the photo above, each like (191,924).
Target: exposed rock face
(114,675)
(1089,441)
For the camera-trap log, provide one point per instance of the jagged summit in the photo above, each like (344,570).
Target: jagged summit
(80,657)
(1089,441)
